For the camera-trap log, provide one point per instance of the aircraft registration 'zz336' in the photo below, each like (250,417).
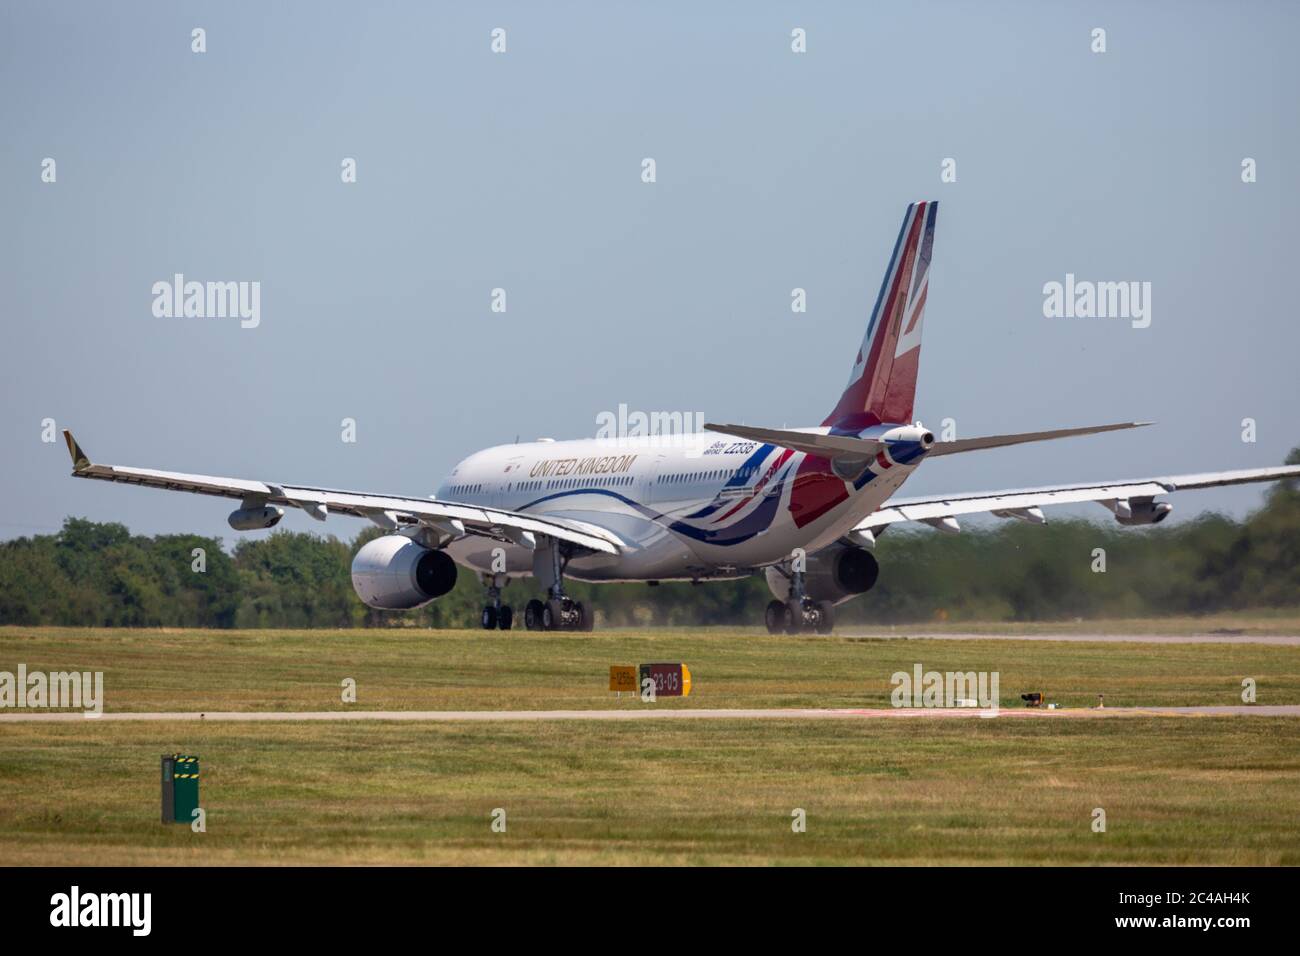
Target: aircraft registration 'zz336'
(802,506)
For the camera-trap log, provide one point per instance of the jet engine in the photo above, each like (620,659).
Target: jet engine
(833,574)
(396,573)
(1136,511)
(255,519)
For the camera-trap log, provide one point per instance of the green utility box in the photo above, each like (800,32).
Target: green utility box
(180,787)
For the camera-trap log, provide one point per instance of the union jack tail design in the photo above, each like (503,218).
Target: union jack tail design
(882,384)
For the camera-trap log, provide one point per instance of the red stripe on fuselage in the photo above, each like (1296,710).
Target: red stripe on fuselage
(816,490)
(781,459)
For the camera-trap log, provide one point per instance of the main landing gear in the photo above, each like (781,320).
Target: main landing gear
(799,614)
(496,614)
(801,617)
(558,612)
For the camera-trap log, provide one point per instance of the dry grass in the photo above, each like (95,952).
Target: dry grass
(1175,789)
(159,670)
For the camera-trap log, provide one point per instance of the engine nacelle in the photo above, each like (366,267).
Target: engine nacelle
(833,574)
(1138,511)
(395,573)
(255,519)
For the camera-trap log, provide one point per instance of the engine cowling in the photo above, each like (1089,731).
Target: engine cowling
(255,519)
(833,574)
(1139,511)
(396,573)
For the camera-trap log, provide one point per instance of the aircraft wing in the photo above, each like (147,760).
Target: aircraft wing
(1008,503)
(387,511)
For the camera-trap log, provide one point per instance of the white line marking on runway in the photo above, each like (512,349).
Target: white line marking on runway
(659,713)
(1285,640)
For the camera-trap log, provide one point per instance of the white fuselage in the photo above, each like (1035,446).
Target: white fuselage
(697,506)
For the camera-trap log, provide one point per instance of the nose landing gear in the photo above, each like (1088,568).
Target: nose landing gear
(495,614)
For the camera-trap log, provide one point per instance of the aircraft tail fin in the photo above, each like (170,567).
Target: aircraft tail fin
(882,382)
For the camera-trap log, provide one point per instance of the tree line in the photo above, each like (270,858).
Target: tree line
(99,574)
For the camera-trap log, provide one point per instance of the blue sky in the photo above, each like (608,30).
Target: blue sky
(521,171)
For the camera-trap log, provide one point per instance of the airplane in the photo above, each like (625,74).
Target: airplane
(802,506)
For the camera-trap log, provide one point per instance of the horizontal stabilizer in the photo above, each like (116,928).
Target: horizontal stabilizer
(847,446)
(811,443)
(1001,441)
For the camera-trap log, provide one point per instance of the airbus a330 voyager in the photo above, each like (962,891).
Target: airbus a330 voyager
(802,506)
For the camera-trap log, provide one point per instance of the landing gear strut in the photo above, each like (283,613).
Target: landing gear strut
(496,614)
(799,613)
(558,612)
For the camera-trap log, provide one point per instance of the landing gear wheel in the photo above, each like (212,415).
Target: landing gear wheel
(774,617)
(533,614)
(552,615)
(505,617)
(793,617)
(489,618)
(586,617)
(825,617)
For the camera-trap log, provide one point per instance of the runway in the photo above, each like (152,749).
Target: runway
(653,712)
(1291,640)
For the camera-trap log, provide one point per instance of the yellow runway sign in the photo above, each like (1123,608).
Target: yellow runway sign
(623,678)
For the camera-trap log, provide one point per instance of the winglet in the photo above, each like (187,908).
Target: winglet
(79,460)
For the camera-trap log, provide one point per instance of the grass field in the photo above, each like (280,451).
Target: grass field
(164,670)
(1175,790)
(1214,790)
